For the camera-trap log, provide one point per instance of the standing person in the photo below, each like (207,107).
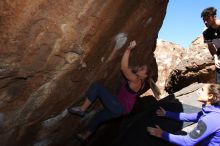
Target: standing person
(207,131)
(114,106)
(211,36)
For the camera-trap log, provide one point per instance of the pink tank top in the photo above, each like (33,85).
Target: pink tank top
(126,98)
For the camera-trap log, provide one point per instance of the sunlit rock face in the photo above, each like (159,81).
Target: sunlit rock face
(51,51)
(168,55)
(196,66)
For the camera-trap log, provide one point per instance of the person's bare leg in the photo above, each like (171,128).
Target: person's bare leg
(85,105)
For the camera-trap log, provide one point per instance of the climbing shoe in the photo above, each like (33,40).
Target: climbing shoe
(76,111)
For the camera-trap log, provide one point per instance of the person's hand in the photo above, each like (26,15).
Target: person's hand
(132,45)
(155,131)
(217,62)
(161,112)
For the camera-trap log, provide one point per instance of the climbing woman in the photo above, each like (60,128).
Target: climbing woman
(114,106)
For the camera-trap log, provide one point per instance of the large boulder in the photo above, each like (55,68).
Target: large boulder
(197,65)
(168,55)
(51,51)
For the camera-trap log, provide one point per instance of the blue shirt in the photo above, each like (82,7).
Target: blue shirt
(207,131)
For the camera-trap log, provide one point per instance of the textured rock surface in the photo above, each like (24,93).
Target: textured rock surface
(196,66)
(51,51)
(168,55)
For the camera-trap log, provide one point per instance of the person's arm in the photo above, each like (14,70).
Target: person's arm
(125,61)
(213,51)
(204,128)
(211,46)
(192,117)
(208,40)
(186,117)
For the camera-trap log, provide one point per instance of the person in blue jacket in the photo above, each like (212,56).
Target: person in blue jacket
(207,131)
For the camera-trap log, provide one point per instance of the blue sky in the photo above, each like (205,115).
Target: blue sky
(182,23)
